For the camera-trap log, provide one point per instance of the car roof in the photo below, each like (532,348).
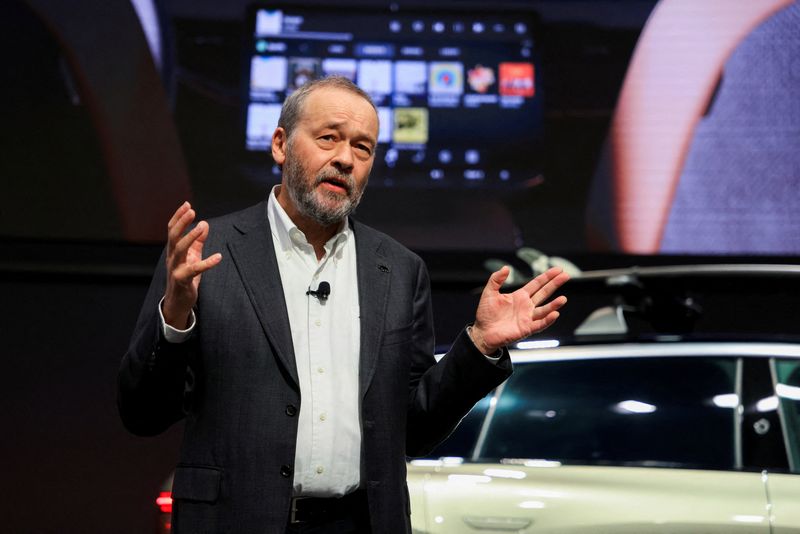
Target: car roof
(722,302)
(656,305)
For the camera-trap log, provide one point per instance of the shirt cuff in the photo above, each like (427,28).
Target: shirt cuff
(172,334)
(494,358)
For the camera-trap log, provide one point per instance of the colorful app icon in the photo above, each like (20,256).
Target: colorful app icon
(446,78)
(410,125)
(516,79)
(480,78)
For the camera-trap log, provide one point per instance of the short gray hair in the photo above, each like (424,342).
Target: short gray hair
(292,110)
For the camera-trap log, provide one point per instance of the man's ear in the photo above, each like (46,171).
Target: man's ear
(279,141)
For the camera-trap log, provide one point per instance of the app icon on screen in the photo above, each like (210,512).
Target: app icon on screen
(516,79)
(375,76)
(472,156)
(385,121)
(391,157)
(446,78)
(410,77)
(269,22)
(340,67)
(262,119)
(410,125)
(480,78)
(302,70)
(268,73)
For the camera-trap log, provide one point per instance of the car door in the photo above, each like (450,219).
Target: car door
(533,497)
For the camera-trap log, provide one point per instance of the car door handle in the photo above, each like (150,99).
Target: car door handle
(497,523)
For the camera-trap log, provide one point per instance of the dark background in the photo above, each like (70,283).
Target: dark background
(69,303)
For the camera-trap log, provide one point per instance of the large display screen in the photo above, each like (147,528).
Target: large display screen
(458,93)
(585,130)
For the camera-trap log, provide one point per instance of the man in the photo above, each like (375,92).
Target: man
(303,362)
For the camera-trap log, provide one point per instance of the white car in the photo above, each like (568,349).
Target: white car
(625,438)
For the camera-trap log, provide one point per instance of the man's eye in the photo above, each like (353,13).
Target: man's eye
(364,148)
(329,137)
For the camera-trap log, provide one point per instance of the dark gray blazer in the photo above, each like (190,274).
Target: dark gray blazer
(236,383)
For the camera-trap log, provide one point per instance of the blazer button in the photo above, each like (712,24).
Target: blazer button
(291,410)
(286,470)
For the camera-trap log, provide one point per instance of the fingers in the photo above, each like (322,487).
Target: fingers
(196,237)
(549,319)
(185,249)
(546,315)
(543,279)
(497,278)
(546,310)
(545,285)
(178,213)
(178,224)
(187,271)
(179,241)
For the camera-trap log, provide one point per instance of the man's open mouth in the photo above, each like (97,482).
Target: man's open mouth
(335,183)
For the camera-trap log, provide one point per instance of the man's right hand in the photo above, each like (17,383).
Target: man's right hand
(185,264)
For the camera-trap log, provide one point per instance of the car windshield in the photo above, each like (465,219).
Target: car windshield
(678,412)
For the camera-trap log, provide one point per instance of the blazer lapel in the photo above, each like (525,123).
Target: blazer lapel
(374,277)
(254,257)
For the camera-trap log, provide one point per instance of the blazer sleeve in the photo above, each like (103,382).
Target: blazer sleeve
(154,374)
(442,393)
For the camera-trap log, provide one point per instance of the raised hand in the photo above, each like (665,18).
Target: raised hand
(185,264)
(504,318)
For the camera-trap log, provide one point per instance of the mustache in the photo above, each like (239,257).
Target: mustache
(339,178)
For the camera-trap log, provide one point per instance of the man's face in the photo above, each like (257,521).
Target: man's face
(327,160)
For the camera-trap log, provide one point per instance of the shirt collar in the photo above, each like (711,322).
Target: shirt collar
(289,235)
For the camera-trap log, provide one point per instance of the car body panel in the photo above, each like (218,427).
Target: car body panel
(784,496)
(491,497)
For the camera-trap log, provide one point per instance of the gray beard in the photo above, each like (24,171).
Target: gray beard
(303,194)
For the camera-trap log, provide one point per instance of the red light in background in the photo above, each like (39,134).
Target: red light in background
(164,502)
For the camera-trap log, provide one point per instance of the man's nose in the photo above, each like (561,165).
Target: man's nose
(343,159)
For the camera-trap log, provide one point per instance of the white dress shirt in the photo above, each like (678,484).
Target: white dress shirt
(326,338)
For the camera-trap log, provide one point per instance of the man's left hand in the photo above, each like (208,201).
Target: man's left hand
(504,318)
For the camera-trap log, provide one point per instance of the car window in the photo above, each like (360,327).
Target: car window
(647,411)
(763,444)
(787,390)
